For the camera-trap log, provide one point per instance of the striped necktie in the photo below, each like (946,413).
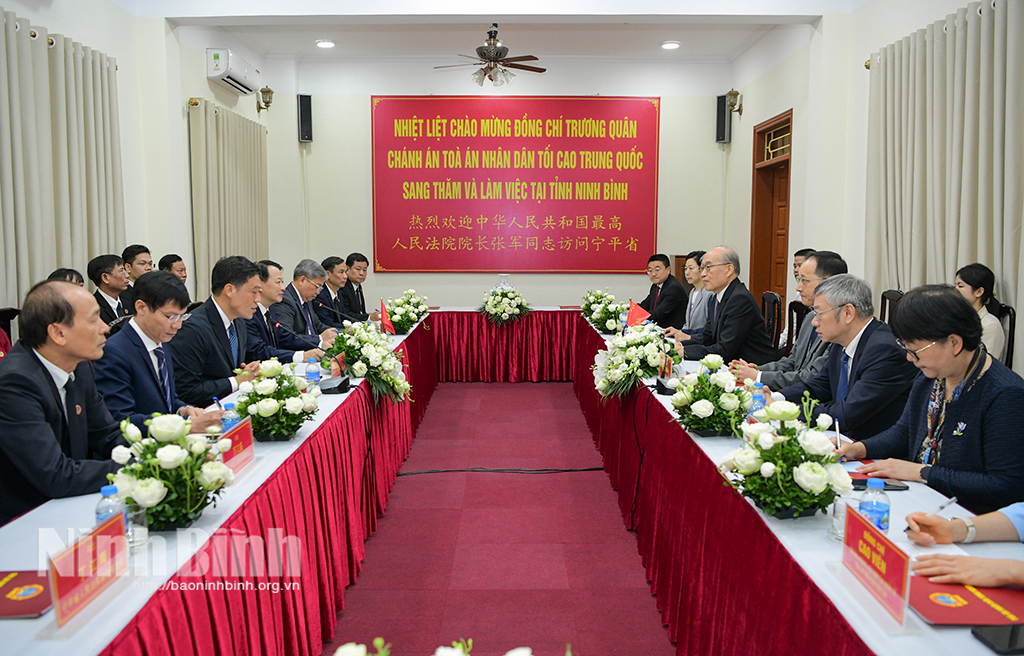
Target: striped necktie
(165,378)
(233,339)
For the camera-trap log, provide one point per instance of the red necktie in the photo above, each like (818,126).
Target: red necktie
(657,292)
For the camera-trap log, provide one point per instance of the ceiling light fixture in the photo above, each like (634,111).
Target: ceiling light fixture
(670,45)
(324,43)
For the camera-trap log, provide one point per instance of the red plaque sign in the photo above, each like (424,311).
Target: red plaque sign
(88,567)
(242,452)
(877,562)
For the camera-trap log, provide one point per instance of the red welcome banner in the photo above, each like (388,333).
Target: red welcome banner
(514,184)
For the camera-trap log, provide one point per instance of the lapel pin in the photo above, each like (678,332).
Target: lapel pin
(78,409)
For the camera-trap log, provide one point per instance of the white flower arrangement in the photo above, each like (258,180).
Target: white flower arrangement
(634,355)
(711,399)
(503,306)
(277,402)
(601,310)
(786,466)
(459,648)
(369,353)
(407,311)
(172,474)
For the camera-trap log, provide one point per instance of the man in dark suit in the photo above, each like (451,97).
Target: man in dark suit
(137,262)
(135,374)
(867,379)
(108,274)
(267,337)
(212,343)
(667,299)
(56,436)
(295,311)
(358,265)
(735,327)
(330,302)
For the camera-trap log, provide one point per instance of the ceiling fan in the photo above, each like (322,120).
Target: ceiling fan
(492,55)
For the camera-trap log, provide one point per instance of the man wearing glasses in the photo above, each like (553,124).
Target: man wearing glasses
(667,299)
(866,382)
(295,311)
(735,327)
(135,376)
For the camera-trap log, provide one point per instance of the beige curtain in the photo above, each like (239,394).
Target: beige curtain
(229,188)
(945,179)
(61,199)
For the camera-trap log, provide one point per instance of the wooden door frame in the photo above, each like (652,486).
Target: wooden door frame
(757,279)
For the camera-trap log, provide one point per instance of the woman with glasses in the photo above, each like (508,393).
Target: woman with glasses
(959,431)
(976,283)
(697,309)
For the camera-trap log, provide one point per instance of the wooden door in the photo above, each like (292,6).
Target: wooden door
(769,217)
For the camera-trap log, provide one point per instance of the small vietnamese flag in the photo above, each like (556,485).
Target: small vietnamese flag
(385,320)
(637,315)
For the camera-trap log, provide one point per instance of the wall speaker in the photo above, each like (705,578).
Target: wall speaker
(306,118)
(723,127)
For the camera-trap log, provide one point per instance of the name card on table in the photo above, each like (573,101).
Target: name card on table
(242,452)
(876,561)
(88,567)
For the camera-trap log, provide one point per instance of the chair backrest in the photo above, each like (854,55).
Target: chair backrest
(116,325)
(797,312)
(771,308)
(1007,312)
(7,315)
(890,298)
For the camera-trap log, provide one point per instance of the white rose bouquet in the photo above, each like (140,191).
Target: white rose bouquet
(503,306)
(369,353)
(601,310)
(406,311)
(711,401)
(172,474)
(631,357)
(787,466)
(277,402)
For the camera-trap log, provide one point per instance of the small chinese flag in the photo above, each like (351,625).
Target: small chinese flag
(385,320)
(637,315)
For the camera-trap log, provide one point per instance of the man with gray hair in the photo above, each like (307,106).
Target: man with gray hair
(866,381)
(295,312)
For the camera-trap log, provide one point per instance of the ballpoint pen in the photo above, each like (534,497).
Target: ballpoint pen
(942,506)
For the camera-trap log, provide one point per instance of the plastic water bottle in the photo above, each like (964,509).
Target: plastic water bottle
(313,374)
(757,404)
(230,418)
(874,504)
(109,505)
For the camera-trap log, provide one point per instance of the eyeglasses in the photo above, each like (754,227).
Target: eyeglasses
(817,313)
(803,281)
(911,352)
(658,270)
(174,318)
(708,267)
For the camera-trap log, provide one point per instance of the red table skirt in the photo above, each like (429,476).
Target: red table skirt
(471,349)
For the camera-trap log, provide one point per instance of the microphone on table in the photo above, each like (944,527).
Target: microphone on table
(340,314)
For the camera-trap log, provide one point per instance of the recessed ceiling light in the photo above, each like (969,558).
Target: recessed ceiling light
(670,45)
(327,43)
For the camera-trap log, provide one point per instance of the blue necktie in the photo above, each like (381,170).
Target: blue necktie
(309,321)
(844,377)
(165,379)
(233,339)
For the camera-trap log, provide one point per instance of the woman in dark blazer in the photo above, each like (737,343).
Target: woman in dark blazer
(959,432)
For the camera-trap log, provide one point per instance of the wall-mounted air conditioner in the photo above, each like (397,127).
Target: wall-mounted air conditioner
(230,70)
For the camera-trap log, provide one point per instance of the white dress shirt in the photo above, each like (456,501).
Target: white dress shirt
(227,323)
(60,379)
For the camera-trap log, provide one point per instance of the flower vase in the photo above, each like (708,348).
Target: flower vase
(504,284)
(281,437)
(710,432)
(156,524)
(790,513)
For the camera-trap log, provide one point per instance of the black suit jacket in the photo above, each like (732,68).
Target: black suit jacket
(201,354)
(106,312)
(878,388)
(323,305)
(263,345)
(44,455)
(291,317)
(128,299)
(670,309)
(355,308)
(129,384)
(736,332)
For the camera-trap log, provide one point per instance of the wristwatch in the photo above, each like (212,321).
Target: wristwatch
(972,532)
(924,473)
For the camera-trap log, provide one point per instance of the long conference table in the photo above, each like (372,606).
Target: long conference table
(727,578)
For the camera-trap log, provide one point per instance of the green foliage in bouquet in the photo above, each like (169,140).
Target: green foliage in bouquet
(277,402)
(601,310)
(784,464)
(369,354)
(710,399)
(172,474)
(634,355)
(406,311)
(503,306)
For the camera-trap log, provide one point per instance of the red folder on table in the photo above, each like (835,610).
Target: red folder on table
(946,604)
(857,476)
(24,594)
